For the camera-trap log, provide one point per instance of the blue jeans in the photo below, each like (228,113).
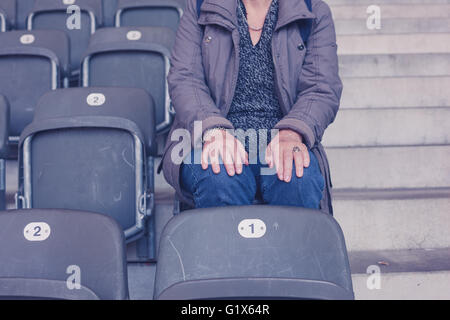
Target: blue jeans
(215,190)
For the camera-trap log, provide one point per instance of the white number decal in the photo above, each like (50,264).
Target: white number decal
(252,228)
(36,231)
(27,39)
(134,35)
(96,99)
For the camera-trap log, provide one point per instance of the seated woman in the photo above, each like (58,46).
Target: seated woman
(250,66)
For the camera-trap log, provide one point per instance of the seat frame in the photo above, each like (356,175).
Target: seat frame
(169,112)
(55,74)
(144,194)
(117,19)
(82,9)
(2,22)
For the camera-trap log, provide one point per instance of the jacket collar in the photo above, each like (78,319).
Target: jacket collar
(289,11)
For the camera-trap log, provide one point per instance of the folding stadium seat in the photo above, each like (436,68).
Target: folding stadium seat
(92,149)
(132,57)
(256,252)
(4,128)
(24,7)
(31,63)
(52,14)
(61,255)
(7,15)
(109,12)
(149,13)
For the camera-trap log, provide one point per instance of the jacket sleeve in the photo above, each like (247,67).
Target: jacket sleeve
(319,86)
(188,90)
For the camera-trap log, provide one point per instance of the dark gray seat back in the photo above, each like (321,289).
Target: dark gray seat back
(24,7)
(132,57)
(48,253)
(149,13)
(31,63)
(257,252)
(109,12)
(52,15)
(90,157)
(7,15)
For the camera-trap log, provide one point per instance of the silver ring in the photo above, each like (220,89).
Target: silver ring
(296,149)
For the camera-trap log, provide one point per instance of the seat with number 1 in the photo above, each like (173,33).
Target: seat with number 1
(43,256)
(253,252)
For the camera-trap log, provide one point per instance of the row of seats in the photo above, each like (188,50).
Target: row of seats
(49,55)
(19,14)
(56,15)
(91,151)
(232,253)
(34,62)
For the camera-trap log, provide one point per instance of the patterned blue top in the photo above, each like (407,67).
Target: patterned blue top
(255,102)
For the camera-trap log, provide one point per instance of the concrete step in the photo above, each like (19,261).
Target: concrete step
(419,221)
(405,286)
(393,26)
(395,65)
(403,274)
(415,126)
(392,11)
(393,44)
(418,280)
(396,92)
(390,167)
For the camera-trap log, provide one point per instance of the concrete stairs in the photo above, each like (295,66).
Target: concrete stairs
(389,147)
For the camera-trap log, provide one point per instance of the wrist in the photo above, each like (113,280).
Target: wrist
(290,134)
(212,132)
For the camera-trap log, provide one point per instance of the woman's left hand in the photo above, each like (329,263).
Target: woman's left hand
(284,149)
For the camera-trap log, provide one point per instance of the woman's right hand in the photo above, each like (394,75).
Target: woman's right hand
(220,143)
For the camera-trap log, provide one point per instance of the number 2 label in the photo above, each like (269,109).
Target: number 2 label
(36,231)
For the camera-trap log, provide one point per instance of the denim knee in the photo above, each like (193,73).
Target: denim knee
(215,190)
(306,192)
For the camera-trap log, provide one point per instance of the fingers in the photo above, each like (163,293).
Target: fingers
(230,150)
(205,156)
(299,163)
(277,159)
(214,156)
(238,163)
(227,156)
(306,158)
(269,157)
(238,157)
(242,153)
(288,159)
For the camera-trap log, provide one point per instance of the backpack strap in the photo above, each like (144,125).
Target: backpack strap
(305,28)
(199,5)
